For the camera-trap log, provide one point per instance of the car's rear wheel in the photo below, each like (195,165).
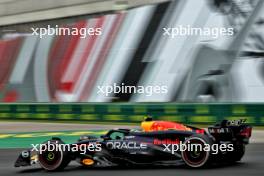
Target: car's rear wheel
(52,159)
(238,153)
(196,155)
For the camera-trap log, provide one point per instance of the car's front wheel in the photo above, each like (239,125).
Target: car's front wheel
(52,159)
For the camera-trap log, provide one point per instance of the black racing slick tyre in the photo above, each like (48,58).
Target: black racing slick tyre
(197,156)
(238,153)
(53,159)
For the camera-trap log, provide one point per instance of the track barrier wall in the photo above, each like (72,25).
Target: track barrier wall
(134,113)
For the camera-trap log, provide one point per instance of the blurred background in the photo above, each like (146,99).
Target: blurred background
(131,50)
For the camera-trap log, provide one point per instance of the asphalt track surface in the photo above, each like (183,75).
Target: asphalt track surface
(251,164)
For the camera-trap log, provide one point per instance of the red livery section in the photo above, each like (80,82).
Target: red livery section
(163,125)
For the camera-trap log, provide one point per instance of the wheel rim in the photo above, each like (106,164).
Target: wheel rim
(50,160)
(196,158)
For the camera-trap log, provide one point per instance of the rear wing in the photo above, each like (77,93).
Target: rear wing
(231,129)
(232,123)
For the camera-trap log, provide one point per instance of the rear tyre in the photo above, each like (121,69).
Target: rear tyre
(238,153)
(197,157)
(53,160)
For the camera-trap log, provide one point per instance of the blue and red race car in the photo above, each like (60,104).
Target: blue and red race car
(156,143)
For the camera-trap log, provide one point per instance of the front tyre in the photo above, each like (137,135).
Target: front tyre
(196,155)
(52,159)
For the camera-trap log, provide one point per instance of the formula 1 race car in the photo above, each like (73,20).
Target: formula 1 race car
(157,143)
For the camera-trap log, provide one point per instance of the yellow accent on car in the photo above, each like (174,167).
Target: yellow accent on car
(146,126)
(34,158)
